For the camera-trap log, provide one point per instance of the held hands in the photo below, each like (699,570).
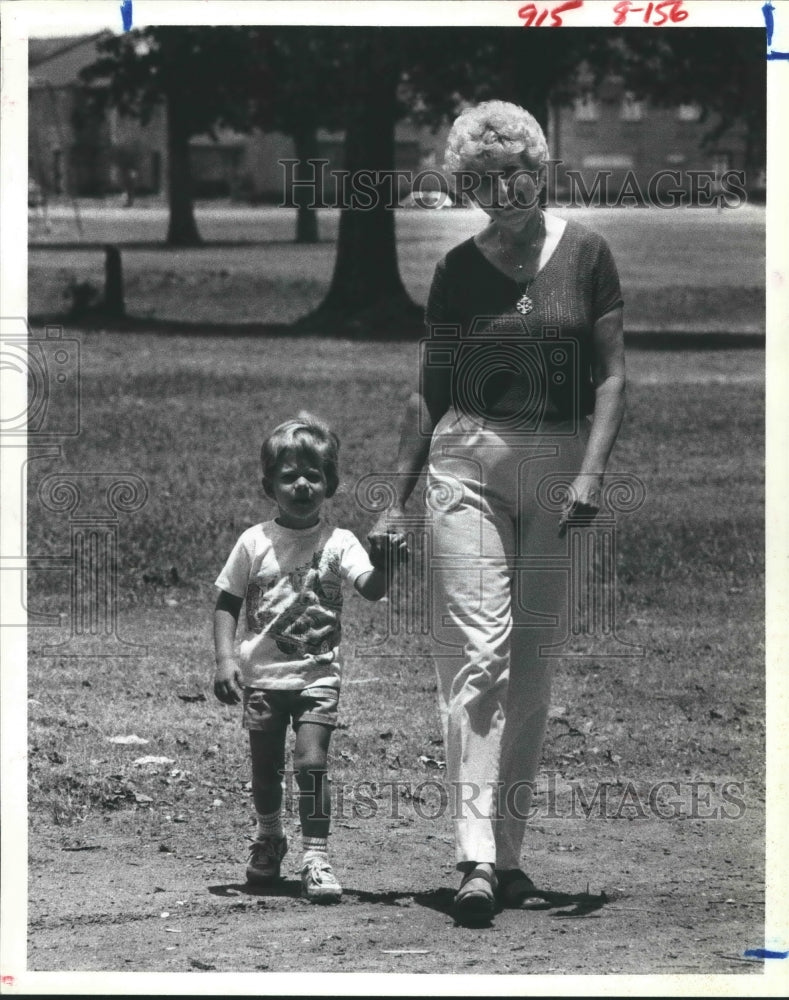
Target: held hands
(227,681)
(388,541)
(583,503)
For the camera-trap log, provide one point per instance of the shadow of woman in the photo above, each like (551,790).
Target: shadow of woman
(565,904)
(562,904)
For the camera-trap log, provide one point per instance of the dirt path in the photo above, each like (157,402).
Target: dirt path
(149,876)
(662,897)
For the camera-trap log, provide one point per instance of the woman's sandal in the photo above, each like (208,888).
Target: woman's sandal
(476,898)
(515,888)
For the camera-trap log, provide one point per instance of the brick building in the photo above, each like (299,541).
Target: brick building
(69,152)
(610,132)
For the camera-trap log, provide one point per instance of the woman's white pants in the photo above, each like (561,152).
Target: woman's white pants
(499,590)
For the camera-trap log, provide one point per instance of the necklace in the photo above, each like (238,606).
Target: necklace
(525,303)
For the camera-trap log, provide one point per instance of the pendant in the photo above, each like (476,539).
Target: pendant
(524,305)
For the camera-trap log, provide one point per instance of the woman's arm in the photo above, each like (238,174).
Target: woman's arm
(608,374)
(423,410)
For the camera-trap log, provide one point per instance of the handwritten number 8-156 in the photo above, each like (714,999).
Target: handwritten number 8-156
(665,11)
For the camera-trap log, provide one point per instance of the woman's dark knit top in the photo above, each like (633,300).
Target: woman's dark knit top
(505,365)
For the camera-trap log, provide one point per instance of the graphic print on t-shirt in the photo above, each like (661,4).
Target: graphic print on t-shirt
(300,610)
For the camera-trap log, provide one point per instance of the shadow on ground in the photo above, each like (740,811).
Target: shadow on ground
(148,245)
(411,329)
(563,904)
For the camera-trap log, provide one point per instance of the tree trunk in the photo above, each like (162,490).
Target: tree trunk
(182,229)
(113,283)
(367,297)
(306,147)
(755,152)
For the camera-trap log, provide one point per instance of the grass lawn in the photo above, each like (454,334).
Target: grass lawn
(187,415)
(680,269)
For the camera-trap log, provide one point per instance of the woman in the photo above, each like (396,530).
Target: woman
(522,386)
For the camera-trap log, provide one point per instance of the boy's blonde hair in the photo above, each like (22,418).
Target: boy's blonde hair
(305,435)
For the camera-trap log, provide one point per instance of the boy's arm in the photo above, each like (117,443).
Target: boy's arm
(373,584)
(385,558)
(227,678)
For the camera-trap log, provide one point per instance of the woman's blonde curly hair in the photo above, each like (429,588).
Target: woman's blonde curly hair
(493,128)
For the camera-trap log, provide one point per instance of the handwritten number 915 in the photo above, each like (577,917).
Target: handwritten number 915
(533,17)
(666,10)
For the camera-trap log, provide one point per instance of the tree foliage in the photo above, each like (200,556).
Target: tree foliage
(297,85)
(201,77)
(363,80)
(374,77)
(723,70)
(383,74)
(137,70)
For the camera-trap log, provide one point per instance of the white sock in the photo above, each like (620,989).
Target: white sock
(269,825)
(315,847)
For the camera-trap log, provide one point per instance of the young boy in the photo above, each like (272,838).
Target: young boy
(289,572)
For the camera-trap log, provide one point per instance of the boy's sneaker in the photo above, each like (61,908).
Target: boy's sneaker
(318,882)
(265,857)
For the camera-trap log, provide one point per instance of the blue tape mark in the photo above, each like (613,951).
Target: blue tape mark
(126,15)
(769,27)
(765,953)
(769,22)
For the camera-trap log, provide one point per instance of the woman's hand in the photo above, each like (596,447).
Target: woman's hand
(609,379)
(388,539)
(583,502)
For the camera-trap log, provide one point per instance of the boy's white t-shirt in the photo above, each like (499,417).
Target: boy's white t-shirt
(291,582)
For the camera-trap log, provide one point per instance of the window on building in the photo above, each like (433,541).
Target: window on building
(688,113)
(586,109)
(631,110)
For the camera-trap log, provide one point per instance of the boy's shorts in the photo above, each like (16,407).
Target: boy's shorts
(270,711)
